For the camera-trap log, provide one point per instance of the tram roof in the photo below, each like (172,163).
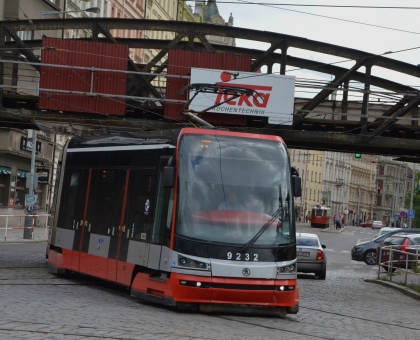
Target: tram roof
(126,138)
(322,207)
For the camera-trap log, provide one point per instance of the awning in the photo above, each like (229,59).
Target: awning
(22,173)
(5,171)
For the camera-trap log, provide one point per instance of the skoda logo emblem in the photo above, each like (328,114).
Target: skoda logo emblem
(246,272)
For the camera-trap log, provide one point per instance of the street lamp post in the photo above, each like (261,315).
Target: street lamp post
(89,10)
(412,192)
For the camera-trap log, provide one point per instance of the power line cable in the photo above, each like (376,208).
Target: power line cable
(239,2)
(328,17)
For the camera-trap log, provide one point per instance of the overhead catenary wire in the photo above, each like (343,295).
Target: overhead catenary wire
(241,2)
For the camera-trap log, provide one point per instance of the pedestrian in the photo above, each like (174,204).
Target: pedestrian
(343,220)
(405,225)
(337,223)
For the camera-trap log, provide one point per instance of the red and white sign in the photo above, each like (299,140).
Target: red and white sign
(273,96)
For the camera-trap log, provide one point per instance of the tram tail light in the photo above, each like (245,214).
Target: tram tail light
(319,255)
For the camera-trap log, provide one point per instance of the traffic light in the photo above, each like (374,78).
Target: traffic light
(379,190)
(357,155)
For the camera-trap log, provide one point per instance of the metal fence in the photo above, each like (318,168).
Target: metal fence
(403,257)
(14,230)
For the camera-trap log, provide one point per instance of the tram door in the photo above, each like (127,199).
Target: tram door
(103,205)
(71,216)
(136,232)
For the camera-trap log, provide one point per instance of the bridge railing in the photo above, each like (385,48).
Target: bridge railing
(13,229)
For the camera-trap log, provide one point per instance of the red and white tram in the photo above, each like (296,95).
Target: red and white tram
(320,216)
(159,215)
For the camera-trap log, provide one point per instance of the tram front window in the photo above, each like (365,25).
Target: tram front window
(230,187)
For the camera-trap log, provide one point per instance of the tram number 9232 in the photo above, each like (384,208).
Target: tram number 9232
(241,257)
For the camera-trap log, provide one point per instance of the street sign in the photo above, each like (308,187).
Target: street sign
(411,214)
(30,203)
(396,216)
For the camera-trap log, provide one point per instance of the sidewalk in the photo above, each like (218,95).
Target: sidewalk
(398,283)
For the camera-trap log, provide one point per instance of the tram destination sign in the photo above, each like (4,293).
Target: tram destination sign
(273,96)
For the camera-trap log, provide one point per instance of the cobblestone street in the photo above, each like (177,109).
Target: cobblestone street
(38,305)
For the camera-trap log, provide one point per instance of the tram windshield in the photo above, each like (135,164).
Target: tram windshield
(230,187)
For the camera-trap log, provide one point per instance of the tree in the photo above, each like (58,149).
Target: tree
(416,202)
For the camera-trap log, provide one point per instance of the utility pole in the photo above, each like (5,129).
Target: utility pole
(358,206)
(412,192)
(397,197)
(29,220)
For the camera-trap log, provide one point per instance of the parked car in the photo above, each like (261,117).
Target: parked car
(386,230)
(366,224)
(401,244)
(377,225)
(311,255)
(366,251)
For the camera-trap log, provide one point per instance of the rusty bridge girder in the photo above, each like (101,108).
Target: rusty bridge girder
(354,133)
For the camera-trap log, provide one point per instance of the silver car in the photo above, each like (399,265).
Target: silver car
(377,225)
(311,255)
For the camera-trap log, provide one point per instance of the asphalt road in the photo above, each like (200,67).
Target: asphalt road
(35,304)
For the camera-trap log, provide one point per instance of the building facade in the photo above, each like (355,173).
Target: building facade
(187,13)
(212,16)
(132,9)
(159,10)
(393,185)
(336,182)
(310,165)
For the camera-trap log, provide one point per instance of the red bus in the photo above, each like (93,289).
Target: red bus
(201,220)
(320,216)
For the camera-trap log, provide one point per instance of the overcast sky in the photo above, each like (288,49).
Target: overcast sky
(400,28)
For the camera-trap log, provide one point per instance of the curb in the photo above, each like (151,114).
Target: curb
(406,291)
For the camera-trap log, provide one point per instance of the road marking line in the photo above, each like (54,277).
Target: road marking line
(329,249)
(345,251)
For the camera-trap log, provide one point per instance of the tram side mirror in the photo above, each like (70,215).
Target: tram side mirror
(296,182)
(168,177)
(297,186)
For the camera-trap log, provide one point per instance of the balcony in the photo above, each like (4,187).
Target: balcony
(339,182)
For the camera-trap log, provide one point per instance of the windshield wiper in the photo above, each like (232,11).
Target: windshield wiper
(252,241)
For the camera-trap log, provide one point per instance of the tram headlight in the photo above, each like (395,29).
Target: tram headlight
(184,261)
(291,268)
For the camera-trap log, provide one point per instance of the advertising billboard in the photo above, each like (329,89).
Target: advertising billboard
(272,97)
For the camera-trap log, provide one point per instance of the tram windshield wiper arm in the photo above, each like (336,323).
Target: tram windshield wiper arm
(254,239)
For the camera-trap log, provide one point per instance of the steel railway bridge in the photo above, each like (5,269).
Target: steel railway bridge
(391,128)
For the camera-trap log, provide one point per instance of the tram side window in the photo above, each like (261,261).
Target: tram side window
(140,201)
(163,215)
(319,212)
(72,198)
(105,201)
